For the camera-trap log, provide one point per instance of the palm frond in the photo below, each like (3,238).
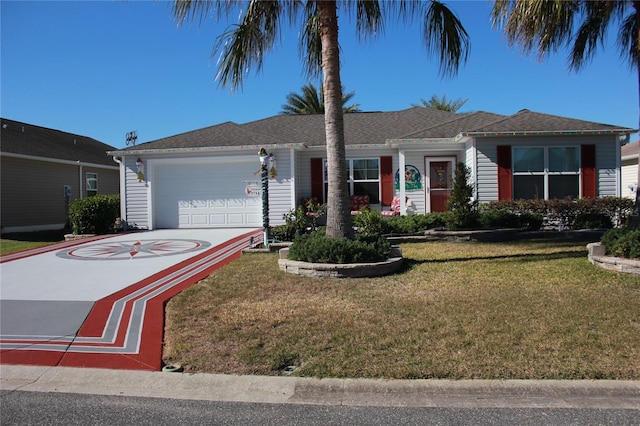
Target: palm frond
(444,36)
(541,25)
(628,40)
(310,47)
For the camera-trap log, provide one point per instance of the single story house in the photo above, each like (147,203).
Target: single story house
(629,154)
(209,177)
(43,170)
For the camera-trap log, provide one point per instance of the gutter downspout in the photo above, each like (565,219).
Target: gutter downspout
(80,192)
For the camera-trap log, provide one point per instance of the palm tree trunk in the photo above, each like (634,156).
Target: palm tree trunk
(338,212)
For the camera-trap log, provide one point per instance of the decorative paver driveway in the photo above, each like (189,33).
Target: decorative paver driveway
(100,303)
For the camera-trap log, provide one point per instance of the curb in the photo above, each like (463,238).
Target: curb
(600,394)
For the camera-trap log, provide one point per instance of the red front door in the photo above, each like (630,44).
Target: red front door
(439,184)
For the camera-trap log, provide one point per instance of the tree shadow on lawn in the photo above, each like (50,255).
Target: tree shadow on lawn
(37,236)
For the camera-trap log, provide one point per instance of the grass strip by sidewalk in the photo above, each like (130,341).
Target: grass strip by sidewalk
(518,310)
(11,243)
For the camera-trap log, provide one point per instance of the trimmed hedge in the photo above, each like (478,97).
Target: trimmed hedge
(581,213)
(622,242)
(94,215)
(317,248)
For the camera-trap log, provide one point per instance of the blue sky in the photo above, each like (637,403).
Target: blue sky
(104,68)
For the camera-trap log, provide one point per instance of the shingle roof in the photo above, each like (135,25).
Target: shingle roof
(370,128)
(630,149)
(454,127)
(27,139)
(529,121)
(225,134)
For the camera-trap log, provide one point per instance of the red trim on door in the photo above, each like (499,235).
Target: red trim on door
(588,174)
(386,180)
(505,186)
(317,181)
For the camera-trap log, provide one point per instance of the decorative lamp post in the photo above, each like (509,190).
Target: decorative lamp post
(264,174)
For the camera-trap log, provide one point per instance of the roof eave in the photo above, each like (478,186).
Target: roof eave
(205,149)
(624,131)
(400,143)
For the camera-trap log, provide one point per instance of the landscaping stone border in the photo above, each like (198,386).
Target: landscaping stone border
(335,270)
(597,257)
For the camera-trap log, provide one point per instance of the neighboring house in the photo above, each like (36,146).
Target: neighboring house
(630,169)
(44,170)
(207,177)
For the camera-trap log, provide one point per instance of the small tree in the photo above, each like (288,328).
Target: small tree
(461,203)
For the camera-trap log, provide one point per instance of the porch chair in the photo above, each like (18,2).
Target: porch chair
(395,208)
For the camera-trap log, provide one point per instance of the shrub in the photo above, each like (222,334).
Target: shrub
(317,248)
(502,218)
(370,222)
(592,221)
(298,222)
(465,213)
(416,223)
(622,242)
(568,213)
(499,218)
(94,215)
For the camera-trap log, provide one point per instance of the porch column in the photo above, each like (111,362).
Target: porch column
(401,167)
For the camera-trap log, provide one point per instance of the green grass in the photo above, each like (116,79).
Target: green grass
(519,310)
(11,243)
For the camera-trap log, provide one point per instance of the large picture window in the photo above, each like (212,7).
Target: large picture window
(364,178)
(546,172)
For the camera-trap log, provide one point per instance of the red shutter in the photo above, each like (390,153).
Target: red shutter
(317,181)
(588,175)
(386,180)
(505,190)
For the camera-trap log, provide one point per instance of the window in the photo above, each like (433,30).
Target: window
(364,178)
(546,172)
(92,184)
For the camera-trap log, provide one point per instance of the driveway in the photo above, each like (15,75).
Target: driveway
(99,302)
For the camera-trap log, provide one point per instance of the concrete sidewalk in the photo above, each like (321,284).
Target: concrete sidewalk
(599,394)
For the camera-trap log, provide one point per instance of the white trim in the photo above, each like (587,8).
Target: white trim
(292,173)
(211,149)
(402,182)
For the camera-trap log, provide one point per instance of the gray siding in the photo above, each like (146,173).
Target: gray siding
(32,195)
(486,158)
(137,196)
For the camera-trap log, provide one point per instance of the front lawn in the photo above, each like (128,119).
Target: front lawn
(519,310)
(11,243)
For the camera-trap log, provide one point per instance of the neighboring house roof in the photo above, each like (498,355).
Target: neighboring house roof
(34,141)
(630,150)
(372,128)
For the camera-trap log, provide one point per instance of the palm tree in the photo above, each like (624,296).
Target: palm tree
(312,102)
(244,45)
(443,103)
(547,25)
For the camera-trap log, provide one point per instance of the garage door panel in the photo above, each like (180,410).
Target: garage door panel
(204,195)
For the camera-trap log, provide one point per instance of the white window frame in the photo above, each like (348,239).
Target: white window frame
(546,173)
(91,177)
(352,180)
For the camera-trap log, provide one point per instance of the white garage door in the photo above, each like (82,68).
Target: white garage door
(205,195)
